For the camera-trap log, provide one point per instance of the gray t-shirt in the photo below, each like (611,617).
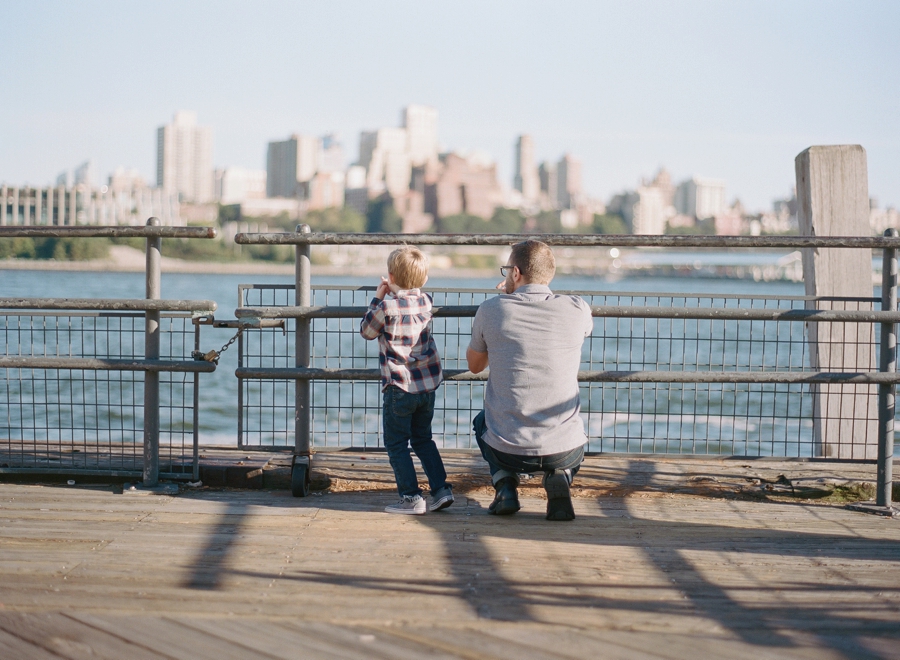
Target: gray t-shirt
(533,338)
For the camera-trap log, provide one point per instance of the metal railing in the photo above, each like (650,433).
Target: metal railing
(788,388)
(84,381)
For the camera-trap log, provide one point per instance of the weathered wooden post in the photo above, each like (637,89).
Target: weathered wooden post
(833,200)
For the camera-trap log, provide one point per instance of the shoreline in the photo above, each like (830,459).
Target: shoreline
(180,266)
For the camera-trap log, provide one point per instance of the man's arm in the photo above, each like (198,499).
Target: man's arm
(476,360)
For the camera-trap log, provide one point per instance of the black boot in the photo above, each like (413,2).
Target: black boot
(506,501)
(559,499)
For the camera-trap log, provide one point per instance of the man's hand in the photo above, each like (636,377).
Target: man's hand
(383,287)
(501,287)
(477,361)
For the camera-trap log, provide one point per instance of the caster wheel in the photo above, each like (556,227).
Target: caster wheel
(300,480)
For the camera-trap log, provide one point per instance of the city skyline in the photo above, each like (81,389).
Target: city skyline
(726,90)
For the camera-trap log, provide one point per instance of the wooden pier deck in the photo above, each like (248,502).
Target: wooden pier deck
(651,568)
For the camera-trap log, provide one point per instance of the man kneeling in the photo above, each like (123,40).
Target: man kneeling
(530,422)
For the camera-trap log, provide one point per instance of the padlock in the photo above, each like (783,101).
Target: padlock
(212,356)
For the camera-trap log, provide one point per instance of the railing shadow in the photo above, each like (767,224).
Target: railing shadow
(477,576)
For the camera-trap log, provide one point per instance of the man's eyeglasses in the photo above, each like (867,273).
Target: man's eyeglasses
(504,270)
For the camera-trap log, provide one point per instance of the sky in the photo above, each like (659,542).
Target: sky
(731,90)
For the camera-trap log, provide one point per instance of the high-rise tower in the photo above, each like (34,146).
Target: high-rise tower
(184,158)
(526,179)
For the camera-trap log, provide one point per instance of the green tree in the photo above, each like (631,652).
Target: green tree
(18,248)
(71,249)
(507,221)
(229,213)
(700,228)
(463,223)
(381,216)
(547,222)
(609,223)
(344,219)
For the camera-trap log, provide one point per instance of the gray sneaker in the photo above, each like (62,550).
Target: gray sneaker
(442,498)
(411,505)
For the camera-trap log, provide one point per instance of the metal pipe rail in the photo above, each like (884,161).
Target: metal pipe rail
(602,311)
(195,307)
(573,240)
(106,231)
(460,375)
(103,364)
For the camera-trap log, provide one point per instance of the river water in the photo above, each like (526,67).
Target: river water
(646,418)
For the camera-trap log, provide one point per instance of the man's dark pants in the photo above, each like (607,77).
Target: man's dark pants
(504,465)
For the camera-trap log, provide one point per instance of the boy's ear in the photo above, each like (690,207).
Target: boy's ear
(391,278)
(426,281)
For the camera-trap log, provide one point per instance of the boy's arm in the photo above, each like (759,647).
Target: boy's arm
(372,324)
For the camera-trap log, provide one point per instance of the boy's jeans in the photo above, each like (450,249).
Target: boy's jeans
(406,421)
(504,465)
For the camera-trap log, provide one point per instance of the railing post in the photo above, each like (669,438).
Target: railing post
(888,363)
(195,456)
(302,348)
(151,352)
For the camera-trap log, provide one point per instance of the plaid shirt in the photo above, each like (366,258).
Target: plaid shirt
(407,354)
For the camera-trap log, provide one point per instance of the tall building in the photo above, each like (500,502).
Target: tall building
(651,211)
(326,190)
(123,179)
(526,179)
(184,158)
(356,195)
(568,173)
(701,198)
(420,122)
(84,174)
(387,161)
(290,164)
(457,184)
(548,181)
(237,184)
(331,154)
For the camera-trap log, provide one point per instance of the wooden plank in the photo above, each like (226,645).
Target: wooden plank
(68,638)
(290,639)
(12,646)
(170,638)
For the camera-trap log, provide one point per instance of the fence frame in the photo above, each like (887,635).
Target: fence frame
(152,306)
(886,377)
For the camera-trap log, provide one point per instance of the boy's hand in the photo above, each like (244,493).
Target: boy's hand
(383,287)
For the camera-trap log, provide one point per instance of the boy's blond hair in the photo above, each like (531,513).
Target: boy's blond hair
(409,266)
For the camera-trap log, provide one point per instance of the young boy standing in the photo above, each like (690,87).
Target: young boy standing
(410,374)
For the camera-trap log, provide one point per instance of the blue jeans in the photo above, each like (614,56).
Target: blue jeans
(503,464)
(406,421)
